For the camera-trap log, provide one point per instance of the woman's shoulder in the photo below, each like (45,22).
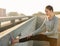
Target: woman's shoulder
(56,18)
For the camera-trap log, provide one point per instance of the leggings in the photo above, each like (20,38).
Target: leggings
(40,37)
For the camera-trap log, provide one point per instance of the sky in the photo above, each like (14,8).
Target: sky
(28,7)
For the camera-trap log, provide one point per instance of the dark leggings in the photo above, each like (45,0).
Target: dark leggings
(40,37)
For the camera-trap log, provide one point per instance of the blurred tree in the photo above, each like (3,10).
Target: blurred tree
(38,14)
(13,14)
(57,12)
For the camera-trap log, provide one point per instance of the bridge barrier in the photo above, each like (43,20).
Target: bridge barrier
(24,29)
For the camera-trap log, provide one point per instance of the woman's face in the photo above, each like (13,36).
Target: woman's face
(48,12)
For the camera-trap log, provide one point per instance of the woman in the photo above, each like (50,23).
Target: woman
(51,25)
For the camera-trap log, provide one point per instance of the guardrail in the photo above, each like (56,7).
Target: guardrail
(11,21)
(24,28)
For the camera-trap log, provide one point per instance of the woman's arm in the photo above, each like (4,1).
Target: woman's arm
(55,29)
(40,29)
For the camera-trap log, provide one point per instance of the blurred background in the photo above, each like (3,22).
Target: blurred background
(28,7)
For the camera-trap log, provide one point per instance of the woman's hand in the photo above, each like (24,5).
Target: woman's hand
(14,41)
(29,36)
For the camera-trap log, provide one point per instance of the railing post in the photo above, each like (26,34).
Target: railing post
(13,21)
(0,24)
(20,19)
(29,17)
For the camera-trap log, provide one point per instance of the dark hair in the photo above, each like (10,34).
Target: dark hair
(49,7)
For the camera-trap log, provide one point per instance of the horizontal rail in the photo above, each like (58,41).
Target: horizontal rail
(12,19)
(2,19)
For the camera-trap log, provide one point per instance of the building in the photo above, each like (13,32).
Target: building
(2,12)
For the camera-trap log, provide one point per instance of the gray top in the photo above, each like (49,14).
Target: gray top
(51,26)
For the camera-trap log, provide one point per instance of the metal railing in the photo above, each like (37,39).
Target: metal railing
(24,29)
(11,21)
